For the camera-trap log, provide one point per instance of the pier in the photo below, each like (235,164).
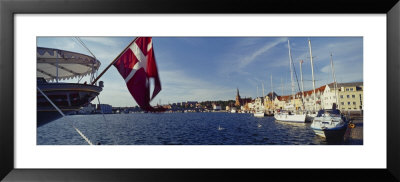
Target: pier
(354,136)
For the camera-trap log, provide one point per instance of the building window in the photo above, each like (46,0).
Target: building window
(347,89)
(341,96)
(342,103)
(351,89)
(353,96)
(348,103)
(348,96)
(354,103)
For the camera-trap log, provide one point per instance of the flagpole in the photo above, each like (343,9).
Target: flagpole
(101,74)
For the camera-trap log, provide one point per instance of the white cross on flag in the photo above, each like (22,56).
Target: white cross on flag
(136,65)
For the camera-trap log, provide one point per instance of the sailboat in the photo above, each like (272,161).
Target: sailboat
(312,114)
(259,112)
(291,116)
(54,98)
(330,124)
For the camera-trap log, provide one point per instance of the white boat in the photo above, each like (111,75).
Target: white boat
(290,117)
(259,114)
(310,117)
(330,124)
(233,111)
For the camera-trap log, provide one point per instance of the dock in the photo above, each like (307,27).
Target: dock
(354,136)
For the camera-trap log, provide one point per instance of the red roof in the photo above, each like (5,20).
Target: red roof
(284,98)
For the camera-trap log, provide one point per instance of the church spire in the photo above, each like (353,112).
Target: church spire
(238,99)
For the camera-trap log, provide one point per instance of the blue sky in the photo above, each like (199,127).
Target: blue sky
(211,68)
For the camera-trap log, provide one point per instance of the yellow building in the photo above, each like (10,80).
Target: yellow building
(269,101)
(351,96)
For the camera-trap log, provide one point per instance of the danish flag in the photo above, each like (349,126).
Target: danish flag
(137,64)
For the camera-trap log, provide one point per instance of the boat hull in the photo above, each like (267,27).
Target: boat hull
(330,127)
(68,97)
(290,118)
(335,134)
(44,117)
(260,115)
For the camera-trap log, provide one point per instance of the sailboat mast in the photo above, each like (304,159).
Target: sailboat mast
(272,88)
(282,85)
(301,78)
(263,89)
(312,73)
(272,94)
(334,80)
(257,91)
(291,73)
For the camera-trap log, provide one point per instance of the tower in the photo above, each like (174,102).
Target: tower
(238,100)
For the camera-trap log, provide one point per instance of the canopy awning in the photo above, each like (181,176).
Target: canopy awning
(70,64)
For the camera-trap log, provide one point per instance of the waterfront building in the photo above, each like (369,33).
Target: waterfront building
(258,104)
(269,101)
(216,107)
(191,103)
(330,96)
(105,108)
(250,106)
(351,96)
(309,101)
(280,102)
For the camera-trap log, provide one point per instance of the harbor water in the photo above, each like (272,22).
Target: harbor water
(177,129)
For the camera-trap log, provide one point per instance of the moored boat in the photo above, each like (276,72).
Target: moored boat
(288,116)
(292,115)
(310,116)
(54,65)
(259,114)
(330,124)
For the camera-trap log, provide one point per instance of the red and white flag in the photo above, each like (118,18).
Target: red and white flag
(136,65)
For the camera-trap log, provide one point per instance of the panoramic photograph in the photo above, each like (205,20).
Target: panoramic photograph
(199,90)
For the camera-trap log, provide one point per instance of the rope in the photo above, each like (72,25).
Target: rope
(84,46)
(83,136)
(98,99)
(58,109)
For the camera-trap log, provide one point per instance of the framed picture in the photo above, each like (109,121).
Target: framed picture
(21,34)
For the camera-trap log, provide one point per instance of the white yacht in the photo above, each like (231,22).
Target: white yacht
(330,124)
(259,114)
(290,116)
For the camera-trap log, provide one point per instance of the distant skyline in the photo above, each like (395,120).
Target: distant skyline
(211,68)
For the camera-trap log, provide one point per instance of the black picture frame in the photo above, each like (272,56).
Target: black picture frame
(9,8)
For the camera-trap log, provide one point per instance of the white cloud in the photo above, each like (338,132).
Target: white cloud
(250,58)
